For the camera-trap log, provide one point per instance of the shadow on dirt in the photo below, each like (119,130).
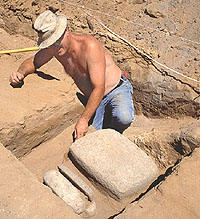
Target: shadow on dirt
(46,76)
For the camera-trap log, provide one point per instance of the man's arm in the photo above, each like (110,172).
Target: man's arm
(96,68)
(30,65)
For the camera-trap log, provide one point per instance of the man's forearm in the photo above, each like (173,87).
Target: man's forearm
(93,102)
(27,67)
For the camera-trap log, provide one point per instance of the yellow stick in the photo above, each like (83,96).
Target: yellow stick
(20,50)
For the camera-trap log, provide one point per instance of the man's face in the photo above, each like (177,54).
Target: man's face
(58,42)
(58,47)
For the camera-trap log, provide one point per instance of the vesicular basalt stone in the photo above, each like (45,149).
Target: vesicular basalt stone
(115,162)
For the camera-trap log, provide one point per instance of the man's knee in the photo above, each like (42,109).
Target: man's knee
(122,121)
(125,118)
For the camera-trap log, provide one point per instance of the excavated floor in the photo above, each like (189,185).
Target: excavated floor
(54,152)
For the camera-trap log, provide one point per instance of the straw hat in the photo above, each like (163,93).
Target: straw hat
(50,27)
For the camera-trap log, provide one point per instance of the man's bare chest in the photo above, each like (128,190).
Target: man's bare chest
(75,67)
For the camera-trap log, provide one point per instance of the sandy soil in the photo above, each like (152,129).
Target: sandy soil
(172,39)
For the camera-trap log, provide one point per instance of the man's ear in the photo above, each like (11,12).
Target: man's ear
(66,31)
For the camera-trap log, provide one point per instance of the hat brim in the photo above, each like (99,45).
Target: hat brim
(62,24)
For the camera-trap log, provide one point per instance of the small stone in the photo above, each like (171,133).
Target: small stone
(2,24)
(118,1)
(197,58)
(139,37)
(136,1)
(112,37)
(156,10)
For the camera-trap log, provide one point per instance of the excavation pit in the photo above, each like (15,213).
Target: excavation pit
(38,118)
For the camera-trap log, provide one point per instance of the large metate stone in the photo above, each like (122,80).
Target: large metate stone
(116,163)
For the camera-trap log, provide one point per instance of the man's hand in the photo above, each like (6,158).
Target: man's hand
(16,78)
(81,128)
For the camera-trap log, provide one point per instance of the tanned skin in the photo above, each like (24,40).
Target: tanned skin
(86,61)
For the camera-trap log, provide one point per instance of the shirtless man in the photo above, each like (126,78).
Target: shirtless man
(90,66)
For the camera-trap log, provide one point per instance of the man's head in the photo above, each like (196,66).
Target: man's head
(50,27)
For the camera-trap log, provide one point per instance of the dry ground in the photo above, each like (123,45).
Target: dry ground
(44,110)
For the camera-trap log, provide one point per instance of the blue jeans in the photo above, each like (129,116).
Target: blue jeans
(116,110)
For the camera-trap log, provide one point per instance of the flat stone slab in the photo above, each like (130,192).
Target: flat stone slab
(116,163)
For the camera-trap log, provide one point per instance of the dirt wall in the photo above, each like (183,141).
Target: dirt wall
(152,27)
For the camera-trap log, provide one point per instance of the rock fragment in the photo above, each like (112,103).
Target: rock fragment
(136,1)
(157,10)
(139,37)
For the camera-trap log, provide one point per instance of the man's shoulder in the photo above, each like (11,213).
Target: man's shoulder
(86,38)
(90,42)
